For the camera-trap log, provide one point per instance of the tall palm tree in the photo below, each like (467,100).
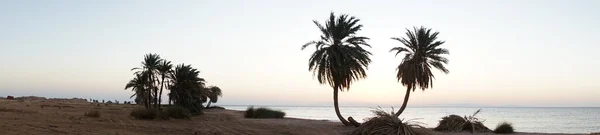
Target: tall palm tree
(163,69)
(150,69)
(422,52)
(339,58)
(214,94)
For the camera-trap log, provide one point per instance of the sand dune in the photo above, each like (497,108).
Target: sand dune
(66,117)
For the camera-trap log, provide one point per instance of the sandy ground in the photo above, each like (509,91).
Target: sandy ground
(67,117)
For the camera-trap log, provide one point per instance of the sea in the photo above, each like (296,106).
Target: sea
(524,119)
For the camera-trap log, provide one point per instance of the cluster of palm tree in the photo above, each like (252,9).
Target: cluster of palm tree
(340,57)
(186,88)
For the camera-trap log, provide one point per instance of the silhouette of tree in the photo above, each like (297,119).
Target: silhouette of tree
(138,85)
(186,88)
(422,52)
(149,70)
(214,94)
(163,69)
(339,58)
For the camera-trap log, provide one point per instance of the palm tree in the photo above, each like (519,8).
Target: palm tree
(163,69)
(422,52)
(186,87)
(339,58)
(150,69)
(214,94)
(137,85)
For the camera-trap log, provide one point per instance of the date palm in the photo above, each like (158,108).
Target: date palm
(186,88)
(138,86)
(149,70)
(214,94)
(422,53)
(163,69)
(339,58)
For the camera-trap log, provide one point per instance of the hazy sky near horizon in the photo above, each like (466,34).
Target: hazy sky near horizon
(502,53)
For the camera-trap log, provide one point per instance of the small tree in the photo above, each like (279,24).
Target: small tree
(214,94)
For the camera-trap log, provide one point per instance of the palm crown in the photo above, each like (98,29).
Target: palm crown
(422,52)
(339,58)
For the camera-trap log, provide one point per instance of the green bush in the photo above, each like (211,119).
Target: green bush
(177,112)
(504,128)
(262,112)
(145,113)
(92,113)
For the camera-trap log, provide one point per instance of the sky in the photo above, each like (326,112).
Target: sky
(502,52)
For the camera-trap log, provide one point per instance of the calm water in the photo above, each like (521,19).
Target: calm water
(544,120)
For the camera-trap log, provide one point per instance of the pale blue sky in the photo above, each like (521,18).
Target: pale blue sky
(503,53)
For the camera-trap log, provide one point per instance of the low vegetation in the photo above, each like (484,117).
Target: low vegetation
(455,123)
(145,113)
(261,113)
(504,128)
(215,107)
(92,113)
(388,124)
(175,112)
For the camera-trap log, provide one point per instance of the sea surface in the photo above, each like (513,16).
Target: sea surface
(524,119)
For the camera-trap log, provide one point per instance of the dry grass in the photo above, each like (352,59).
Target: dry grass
(92,113)
(15,110)
(57,106)
(387,124)
(455,123)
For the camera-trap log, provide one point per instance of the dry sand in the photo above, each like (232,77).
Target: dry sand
(67,117)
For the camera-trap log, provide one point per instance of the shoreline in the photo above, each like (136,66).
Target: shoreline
(436,132)
(67,117)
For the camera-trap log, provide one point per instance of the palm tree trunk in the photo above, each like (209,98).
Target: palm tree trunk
(147,100)
(149,93)
(337,108)
(155,92)
(208,105)
(161,89)
(405,102)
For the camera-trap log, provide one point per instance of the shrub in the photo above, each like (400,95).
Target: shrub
(177,112)
(92,113)
(504,128)
(388,124)
(262,112)
(455,123)
(215,107)
(249,112)
(162,115)
(145,113)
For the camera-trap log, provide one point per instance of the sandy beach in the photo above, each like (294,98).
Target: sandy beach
(67,117)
